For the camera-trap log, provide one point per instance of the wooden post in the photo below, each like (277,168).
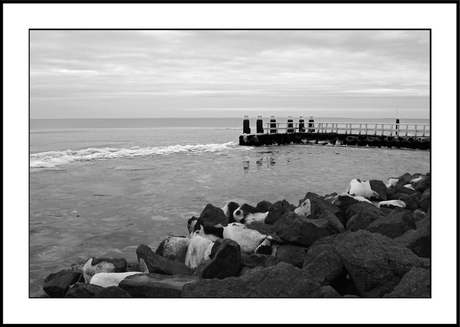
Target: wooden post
(259,125)
(301,125)
(272,125)
(246,128)
(290,125)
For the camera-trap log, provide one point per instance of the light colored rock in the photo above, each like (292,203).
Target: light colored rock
(111,279)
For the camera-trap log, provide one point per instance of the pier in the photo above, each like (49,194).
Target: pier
(389,135)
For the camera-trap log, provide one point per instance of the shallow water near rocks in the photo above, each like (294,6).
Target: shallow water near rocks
(136,186)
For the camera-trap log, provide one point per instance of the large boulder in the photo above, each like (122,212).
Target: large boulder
(57,284)
(375,263)
(333,223)
(226,261)
(362,206)
(298,230)
(323,264)
(252,260)
(277,210)
(292,254)
(380,188)
(416,283)
(318,205)
(422,184)
(151,262)
(83,290)
(263,206)
(97,265)
(418,241)
(156,285)
(362,220)
(425,200)
(424,222)
(393,225)
(212,216)
(173,247)
(411,201)
(282,280)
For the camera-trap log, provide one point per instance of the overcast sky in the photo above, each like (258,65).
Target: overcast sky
(205,73)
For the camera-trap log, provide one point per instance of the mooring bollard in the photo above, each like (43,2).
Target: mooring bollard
(290,125)
(260,125)
(272,125)
(246,128)
(397,126)
(311,125)
(301,125)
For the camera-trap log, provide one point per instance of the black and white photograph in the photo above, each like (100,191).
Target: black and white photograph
(172,167)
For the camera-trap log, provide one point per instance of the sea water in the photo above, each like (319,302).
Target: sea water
(102,187)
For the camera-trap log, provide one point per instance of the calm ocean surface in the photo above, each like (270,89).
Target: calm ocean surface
(101,187)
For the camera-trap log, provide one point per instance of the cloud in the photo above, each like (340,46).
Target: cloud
(177,67)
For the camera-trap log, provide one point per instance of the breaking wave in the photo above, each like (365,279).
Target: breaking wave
(52,159)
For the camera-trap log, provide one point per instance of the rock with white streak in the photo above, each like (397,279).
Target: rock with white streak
(111,279)
(97,265)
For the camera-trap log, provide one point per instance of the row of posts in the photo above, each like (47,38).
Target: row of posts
(273,128)
(290,125)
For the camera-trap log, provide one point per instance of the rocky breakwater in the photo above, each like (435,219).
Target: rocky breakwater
(373,240)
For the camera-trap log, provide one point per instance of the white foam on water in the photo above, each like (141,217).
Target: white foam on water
(52,159)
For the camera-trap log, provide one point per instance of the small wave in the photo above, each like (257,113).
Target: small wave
(51,159)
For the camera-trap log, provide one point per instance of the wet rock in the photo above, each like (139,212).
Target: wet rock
(173,248)
(418,241)
(97,265)
(422,185)
(325,267)
(362,220)
(211,216)
(225,263)
(83,290)
(375,262)
(414,284)
(425,200)
(111,279)
(362,207)
(393,225)
(156,285)
(263,206)
(319,206)
(57,284)
(425,222)
(253,260)
(411,201)
(277,210)
(301,231)
(379,187)
(292,254)
(282,280)
(328,292)
(154,263)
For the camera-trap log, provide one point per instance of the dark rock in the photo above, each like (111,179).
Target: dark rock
(422,185)
(325,267)
(253,260)
(375,262)
(319,205)
(225,263)
(417,240)
(333,223)
(328,292)
(83,290)
(404,179)
(379,187)
(393,225)
(263,206)
(425,200)
(404,190)
(362,220)
(398,196)
(97,265)
(362,206)
(156,285)
(292,254)
(265,229)
(411,201)
(282,280)
(415,284)
(277,210)
(294,229)
(173,248)
(426,263)
(344,201)
(78,266)
(57,284)
(211,216)
(154,263)
(425,222)
(133,267)
(331,197)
